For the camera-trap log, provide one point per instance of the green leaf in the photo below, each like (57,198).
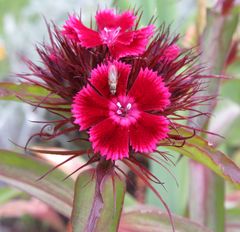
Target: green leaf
(33,95)
(146,219)
(201,151)
(226,113)
(177,194)
(83,199)
(97,202)
(231,89)
(7,193)
(23,172)
(10,91)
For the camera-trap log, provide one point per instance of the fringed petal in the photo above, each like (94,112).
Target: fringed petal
(136,47)
(110,139)
(89,108)
(149,91)
(74,29)
(108,19)
(147,132)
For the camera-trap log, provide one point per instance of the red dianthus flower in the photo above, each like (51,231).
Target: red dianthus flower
(127,92)
(125,119)
(114,30)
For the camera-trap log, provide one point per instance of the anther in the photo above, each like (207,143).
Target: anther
(119,112)
(129,106)
(119,105)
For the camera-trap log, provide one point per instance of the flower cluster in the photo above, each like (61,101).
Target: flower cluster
(124,86)
(119,88)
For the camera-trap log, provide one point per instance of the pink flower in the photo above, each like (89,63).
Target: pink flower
(170,53)
(114,30)
(130,118)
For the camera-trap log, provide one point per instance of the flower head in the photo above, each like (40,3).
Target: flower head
(124,92)
(129,119)
(127,106)
(116,31)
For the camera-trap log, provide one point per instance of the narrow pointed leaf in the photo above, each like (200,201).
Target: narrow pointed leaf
(94,210)
(148,219)
(8,193)
(203,152)
(22,171)
(10,91)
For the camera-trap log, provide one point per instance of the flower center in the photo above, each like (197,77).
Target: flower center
(123,110)
(109,35)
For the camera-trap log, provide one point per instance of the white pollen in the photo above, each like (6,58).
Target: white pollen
(119,104)
(119,112)
(106,29)
(129,106)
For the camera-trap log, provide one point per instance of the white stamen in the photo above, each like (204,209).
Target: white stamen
(129,106)
(119,105)
(106,29)
(119,112)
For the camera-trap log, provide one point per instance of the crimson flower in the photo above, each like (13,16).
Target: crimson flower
(125,91)
(127,118)
(116,31)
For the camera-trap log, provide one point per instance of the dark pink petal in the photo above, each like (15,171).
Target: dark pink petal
(110,139)
(89,108)
(85,36)
(126,20)
(108,19)
(88,38)
(171,53)
(125,37)
(147,132)
(99,78)
(149,91)
(136,47)
(69,28)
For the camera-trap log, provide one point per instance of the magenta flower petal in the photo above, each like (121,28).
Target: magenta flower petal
(69,29)
(110,139)
(114,30)
(126,38)
(108,19)
(89,108)
(87,37)
(148,130)
(149,91)
(137,45)
(99,78)
(115,119)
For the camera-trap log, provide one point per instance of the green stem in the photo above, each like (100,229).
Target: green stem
(98,199)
